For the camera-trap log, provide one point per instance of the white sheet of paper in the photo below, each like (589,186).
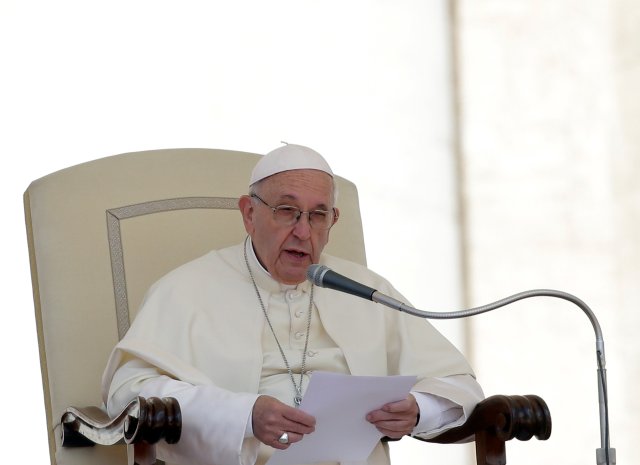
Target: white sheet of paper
(340,403)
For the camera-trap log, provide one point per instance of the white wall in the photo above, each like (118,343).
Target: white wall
(366,83)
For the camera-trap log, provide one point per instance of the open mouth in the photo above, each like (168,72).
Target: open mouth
(296,254)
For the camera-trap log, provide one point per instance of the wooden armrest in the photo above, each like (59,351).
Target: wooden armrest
(494,421)
(142,420)
(498,419)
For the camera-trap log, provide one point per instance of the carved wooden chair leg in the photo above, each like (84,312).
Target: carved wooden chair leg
(141,453)
(490,450)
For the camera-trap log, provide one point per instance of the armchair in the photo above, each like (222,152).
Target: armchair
(102,232)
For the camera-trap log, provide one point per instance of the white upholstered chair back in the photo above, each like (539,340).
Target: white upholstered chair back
(102,232)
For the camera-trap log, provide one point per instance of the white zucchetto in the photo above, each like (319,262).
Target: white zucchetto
(286,158)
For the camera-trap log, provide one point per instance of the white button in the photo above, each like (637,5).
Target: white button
(299,313)
(312,353)
(291,295)
(299,335)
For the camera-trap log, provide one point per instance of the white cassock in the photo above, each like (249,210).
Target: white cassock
(201,337)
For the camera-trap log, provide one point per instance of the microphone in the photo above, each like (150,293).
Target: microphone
(323,276)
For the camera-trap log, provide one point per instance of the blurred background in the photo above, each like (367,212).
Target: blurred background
(494,143)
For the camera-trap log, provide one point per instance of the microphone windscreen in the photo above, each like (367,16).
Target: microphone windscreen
(315,273)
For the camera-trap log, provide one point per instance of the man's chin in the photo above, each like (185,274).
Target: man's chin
(294,274)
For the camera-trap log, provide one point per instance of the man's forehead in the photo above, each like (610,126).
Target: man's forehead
(300,185)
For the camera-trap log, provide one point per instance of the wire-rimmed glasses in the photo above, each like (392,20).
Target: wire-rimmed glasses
(288,215)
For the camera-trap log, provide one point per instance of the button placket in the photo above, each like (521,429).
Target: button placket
(296,303)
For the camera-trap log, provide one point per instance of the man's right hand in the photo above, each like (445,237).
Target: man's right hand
(271,418)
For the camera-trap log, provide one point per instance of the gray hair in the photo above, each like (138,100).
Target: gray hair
(255,187)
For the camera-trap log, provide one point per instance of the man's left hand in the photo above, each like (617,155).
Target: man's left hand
(396,419)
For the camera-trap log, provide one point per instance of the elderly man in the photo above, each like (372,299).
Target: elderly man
(235,335)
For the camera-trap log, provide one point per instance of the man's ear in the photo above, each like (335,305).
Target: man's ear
(246,210)
(336,217)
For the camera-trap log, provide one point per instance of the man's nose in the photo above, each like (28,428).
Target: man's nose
(302,228)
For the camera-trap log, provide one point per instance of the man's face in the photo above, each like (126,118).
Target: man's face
(287,251)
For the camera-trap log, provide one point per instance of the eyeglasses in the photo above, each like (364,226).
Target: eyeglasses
(288,215)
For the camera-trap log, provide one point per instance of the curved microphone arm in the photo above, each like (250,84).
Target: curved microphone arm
(605,455)
(390,302)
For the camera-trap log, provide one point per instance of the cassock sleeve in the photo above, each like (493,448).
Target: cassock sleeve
(440,412)
(213,419)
